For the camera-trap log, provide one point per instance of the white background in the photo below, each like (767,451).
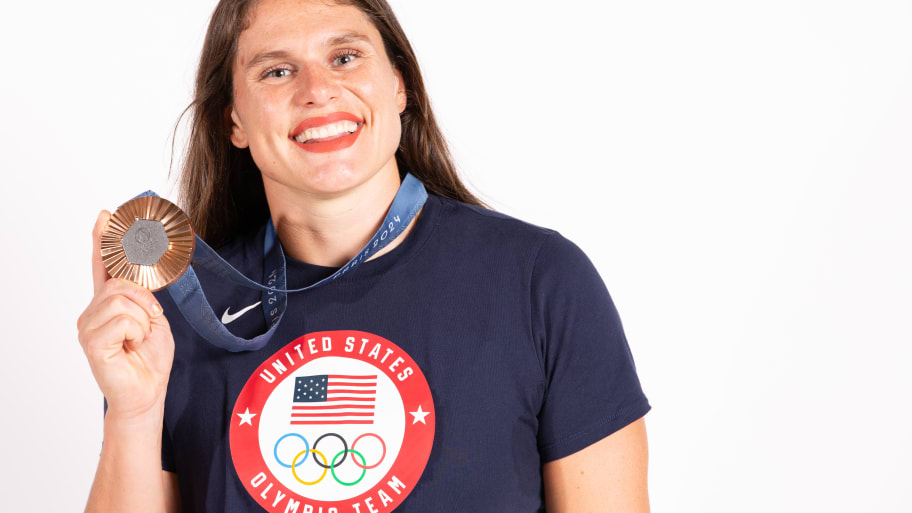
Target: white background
(739,172)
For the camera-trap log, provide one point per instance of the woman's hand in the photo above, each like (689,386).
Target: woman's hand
(126,339)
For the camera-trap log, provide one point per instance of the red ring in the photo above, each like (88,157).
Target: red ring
(381,456)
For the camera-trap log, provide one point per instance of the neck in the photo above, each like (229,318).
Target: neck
(330,230)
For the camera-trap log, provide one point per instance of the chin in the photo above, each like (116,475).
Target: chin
(330,180)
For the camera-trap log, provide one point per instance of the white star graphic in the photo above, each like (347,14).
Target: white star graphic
(245,417)
(419,416)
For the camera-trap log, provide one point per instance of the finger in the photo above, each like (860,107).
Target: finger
(99,273)
(133,291)
(110,337)
(114,305)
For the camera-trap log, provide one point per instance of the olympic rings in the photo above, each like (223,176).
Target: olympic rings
(298,459)
(316,452)
(275,449)
(375,465)
(332,467)
(344,451)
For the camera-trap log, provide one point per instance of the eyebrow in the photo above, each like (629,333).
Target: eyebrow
(345,37)
(334,40)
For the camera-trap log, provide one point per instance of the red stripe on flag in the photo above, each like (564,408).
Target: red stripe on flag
(334,407)
(332,422)
(339,414)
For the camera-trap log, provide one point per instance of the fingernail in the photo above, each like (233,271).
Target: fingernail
(156,310)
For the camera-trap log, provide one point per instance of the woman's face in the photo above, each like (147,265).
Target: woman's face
(289,70)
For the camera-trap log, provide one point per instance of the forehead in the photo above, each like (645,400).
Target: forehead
(301,22)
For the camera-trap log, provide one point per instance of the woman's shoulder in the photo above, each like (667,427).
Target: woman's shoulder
(490,225)
(481,227)
(494,229)
(241,245)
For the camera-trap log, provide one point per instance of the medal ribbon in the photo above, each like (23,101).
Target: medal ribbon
(193,305)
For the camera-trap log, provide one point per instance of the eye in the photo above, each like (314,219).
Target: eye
(346,53)
(271,72)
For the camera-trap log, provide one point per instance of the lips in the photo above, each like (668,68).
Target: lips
(324,120)
(336,143)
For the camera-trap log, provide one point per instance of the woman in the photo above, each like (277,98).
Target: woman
(496,371)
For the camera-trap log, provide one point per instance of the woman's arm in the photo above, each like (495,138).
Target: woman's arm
(129,475)
(129,346)
(609,475)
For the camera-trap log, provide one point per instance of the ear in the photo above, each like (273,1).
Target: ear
(238,134)
(400,91)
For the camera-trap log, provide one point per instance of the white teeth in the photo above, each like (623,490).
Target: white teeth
(327,131)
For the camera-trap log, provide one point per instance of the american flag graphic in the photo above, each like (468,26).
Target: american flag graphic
(334,399)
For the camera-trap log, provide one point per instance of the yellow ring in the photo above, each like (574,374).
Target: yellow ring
(295,461)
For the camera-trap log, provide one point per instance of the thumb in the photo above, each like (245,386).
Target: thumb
(99,273)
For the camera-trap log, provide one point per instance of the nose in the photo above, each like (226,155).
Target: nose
(316,85)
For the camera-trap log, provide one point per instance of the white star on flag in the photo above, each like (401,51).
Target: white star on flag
(419,416)
(245,417)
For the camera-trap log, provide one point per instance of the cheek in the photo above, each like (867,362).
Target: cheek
(262,112)
(384,112)
(376,89)
(270,114)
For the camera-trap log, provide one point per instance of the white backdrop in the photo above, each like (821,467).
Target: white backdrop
(739,172)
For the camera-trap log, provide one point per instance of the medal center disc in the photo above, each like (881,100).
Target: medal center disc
(145,242)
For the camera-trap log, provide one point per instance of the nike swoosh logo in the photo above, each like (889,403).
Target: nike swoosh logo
(227,317)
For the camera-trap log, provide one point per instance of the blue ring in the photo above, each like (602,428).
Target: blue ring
(275,450)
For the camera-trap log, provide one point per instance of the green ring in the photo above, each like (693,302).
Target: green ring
(332,467)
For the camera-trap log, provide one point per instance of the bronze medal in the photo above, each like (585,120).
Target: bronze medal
(148,240)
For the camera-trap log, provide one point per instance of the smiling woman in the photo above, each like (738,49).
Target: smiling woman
(346,59)
(437,332)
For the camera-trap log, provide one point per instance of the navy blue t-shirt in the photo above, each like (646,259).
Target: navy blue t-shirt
(437,377)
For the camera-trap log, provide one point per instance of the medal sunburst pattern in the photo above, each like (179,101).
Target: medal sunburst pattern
(175,260)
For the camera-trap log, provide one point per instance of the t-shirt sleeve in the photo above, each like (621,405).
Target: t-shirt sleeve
(167,452)
(591,383)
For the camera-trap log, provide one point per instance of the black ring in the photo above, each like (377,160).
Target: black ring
(344,444)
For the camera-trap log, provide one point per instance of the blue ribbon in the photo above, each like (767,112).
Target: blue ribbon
(193,305)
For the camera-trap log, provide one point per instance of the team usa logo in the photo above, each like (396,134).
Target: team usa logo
(334,422)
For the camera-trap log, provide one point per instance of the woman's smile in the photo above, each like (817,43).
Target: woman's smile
(323,134)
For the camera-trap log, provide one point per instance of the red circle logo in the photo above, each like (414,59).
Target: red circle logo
(334,421)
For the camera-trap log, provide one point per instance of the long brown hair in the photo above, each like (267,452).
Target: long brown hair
(221,188)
